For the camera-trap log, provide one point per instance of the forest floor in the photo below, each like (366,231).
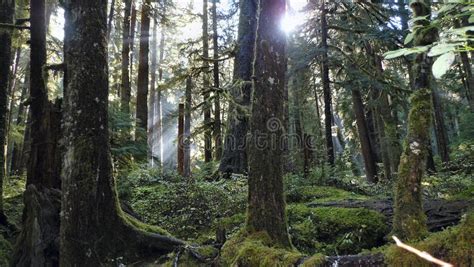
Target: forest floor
(321,218)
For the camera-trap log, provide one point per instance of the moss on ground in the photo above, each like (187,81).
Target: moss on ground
(454,245)
(335,230)
(256,249)
(320,194)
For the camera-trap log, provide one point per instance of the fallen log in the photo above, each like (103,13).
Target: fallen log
(440,213)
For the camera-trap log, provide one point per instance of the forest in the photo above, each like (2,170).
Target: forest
(236,133)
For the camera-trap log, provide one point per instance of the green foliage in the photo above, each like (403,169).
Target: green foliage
(185,208)
(453,245)
(5,251)
(320,194)
(335,231)
(124,148)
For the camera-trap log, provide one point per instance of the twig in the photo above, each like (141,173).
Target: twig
(422,254)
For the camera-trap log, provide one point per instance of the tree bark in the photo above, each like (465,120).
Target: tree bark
(266,207)
(181,139)
(234,158)
(217,106)
(125,93)
(110,19)
(205,84)
(409,222)
(158,126)
(441,133)
(41,166)
(94,229)
(6,16)
(187,127)
(367,153)
(326,86)
(143,68)
(133,26)
(153,95)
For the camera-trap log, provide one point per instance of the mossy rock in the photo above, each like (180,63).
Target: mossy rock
(335,230)
(256,249)
(320,194)
(454,245)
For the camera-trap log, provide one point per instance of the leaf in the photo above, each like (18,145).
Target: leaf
(443,64)
(471,19)
(395,53)
(441,48)
(409,38)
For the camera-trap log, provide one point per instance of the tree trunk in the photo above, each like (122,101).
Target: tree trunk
(266,207)
(187,127)
(205,85)
(41,169)
(153,95)
(441,133)
(181,139)
(6,16)
(143,68)
(217,105)
(409,222)
(12,90)
(133,26)
(159,117)
(234,158)
(367,152)
(125,93)
(326,86)
(17,152)
(466,66)
(110,19)
(94,229)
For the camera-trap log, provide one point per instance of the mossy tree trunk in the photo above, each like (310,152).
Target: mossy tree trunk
(409,222)
(6,16)
(234,158)
(94,230)
(187,127)
(266,207)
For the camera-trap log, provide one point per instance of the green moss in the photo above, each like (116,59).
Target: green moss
(5,251)
(454,245)
(335,230)
(320,194)
(315,260)
(256,249)
(145,227)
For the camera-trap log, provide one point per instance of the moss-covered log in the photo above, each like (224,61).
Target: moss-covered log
(439,213)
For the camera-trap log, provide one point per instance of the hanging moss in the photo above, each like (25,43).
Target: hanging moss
(409,221)
(454,245)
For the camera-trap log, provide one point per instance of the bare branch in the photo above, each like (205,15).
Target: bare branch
(421,254)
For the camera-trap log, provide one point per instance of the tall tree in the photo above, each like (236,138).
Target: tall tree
(187,127)
(93,227)
(409,220)
(363,131)
(234,158)
(42,168)
(152,107)
(6,16)
(158,128)
(326,85)
(215,70)
(125,93)
(143,67)
(205,84)
(266,207)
